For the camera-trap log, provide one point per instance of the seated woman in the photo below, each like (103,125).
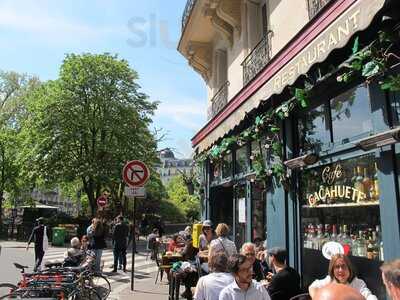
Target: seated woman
(341,271)
(74,255)
(207,235)
(176,244)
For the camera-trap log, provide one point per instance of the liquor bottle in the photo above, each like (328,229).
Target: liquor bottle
(327,236)
(370,249)
(346,241)
(376,183)
(367,183)
(306,235)
(319,239)
(358,185)
(361,245)
(379,242)
(334,236)
(376,245)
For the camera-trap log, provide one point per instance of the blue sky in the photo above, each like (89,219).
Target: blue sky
(35,35)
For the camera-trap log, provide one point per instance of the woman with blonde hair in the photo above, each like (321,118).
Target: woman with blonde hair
(222,243)
(341,271)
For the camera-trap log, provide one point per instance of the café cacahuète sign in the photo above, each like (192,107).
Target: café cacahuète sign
(330,190)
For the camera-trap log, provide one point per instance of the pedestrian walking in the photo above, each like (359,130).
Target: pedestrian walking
(39,237)
(119,240)
(97,242)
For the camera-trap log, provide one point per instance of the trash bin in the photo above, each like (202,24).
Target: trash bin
(58,236)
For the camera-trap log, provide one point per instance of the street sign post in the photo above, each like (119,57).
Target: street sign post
(135,174)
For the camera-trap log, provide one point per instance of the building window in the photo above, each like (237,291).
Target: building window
(339,120)
(241,161)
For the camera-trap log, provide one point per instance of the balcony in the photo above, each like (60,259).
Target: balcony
(187,12)
(257,59)
(315,6)
(219,101)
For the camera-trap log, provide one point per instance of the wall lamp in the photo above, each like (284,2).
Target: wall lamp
(381,139)
(301,161)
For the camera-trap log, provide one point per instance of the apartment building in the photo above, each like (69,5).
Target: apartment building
(301,143)
(170,166)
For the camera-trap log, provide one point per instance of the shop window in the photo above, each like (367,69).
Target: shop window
(351,115)
(342,119)
(340,202)
(313,129)
(241,160)
(395,104)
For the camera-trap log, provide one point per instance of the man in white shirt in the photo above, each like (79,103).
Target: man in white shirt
(209,286)
(243,287)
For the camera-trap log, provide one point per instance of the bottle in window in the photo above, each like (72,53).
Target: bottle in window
(360,249)
(367,182)
(359,181)
(319,239)
(376,184)
(370,249)
(346,241)
(334,235)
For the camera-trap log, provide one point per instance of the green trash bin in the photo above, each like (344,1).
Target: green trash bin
(58,236)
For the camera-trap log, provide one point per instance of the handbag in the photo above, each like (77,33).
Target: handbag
(45,239)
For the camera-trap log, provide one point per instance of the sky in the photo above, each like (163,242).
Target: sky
(35,36)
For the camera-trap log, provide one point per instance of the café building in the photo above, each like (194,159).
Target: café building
(305,151)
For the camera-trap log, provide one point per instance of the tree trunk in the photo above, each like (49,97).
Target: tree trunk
(88,187)
(1,211)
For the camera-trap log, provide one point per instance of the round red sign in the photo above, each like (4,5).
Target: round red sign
(102,201)
(135,173)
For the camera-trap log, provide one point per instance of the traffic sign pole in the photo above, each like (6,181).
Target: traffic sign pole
(133,245)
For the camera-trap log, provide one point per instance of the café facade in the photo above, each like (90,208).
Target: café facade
(307,151)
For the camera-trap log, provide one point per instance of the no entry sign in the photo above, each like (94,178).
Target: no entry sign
(135,173)
(102,201)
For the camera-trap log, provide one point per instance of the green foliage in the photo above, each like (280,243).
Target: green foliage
(86,124)
(302,96)
(391,83)
(187,205)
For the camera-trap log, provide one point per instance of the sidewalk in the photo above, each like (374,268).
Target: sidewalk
(144,289)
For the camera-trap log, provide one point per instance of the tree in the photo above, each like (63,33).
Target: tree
(188,205)
(14,88)
(86,124)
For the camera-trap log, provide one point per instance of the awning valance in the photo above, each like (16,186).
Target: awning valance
(332,30)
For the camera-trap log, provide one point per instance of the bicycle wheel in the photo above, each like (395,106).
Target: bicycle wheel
(6,290)
(87,293)
(101,284)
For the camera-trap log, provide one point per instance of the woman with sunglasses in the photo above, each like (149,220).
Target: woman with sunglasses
(341,271)
(207,235)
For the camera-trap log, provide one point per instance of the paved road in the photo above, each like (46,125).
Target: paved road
(145,269)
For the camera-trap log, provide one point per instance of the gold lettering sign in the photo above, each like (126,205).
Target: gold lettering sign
(329,175)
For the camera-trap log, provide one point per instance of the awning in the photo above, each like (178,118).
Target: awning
(332,30)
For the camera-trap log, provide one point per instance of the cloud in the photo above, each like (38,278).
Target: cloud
(46,24)
(189,113)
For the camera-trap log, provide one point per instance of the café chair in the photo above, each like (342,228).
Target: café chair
(161,267)
(305,296)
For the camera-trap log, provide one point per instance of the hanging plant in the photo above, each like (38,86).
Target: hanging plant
(391,83)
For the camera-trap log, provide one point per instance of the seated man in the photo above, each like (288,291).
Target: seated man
(249,250)
(210,286)
(335,291)
(285,283)
(74,255)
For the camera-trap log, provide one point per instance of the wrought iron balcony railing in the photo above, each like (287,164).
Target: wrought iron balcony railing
(314,6)
(219,101)
(257,59)
(187,12)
